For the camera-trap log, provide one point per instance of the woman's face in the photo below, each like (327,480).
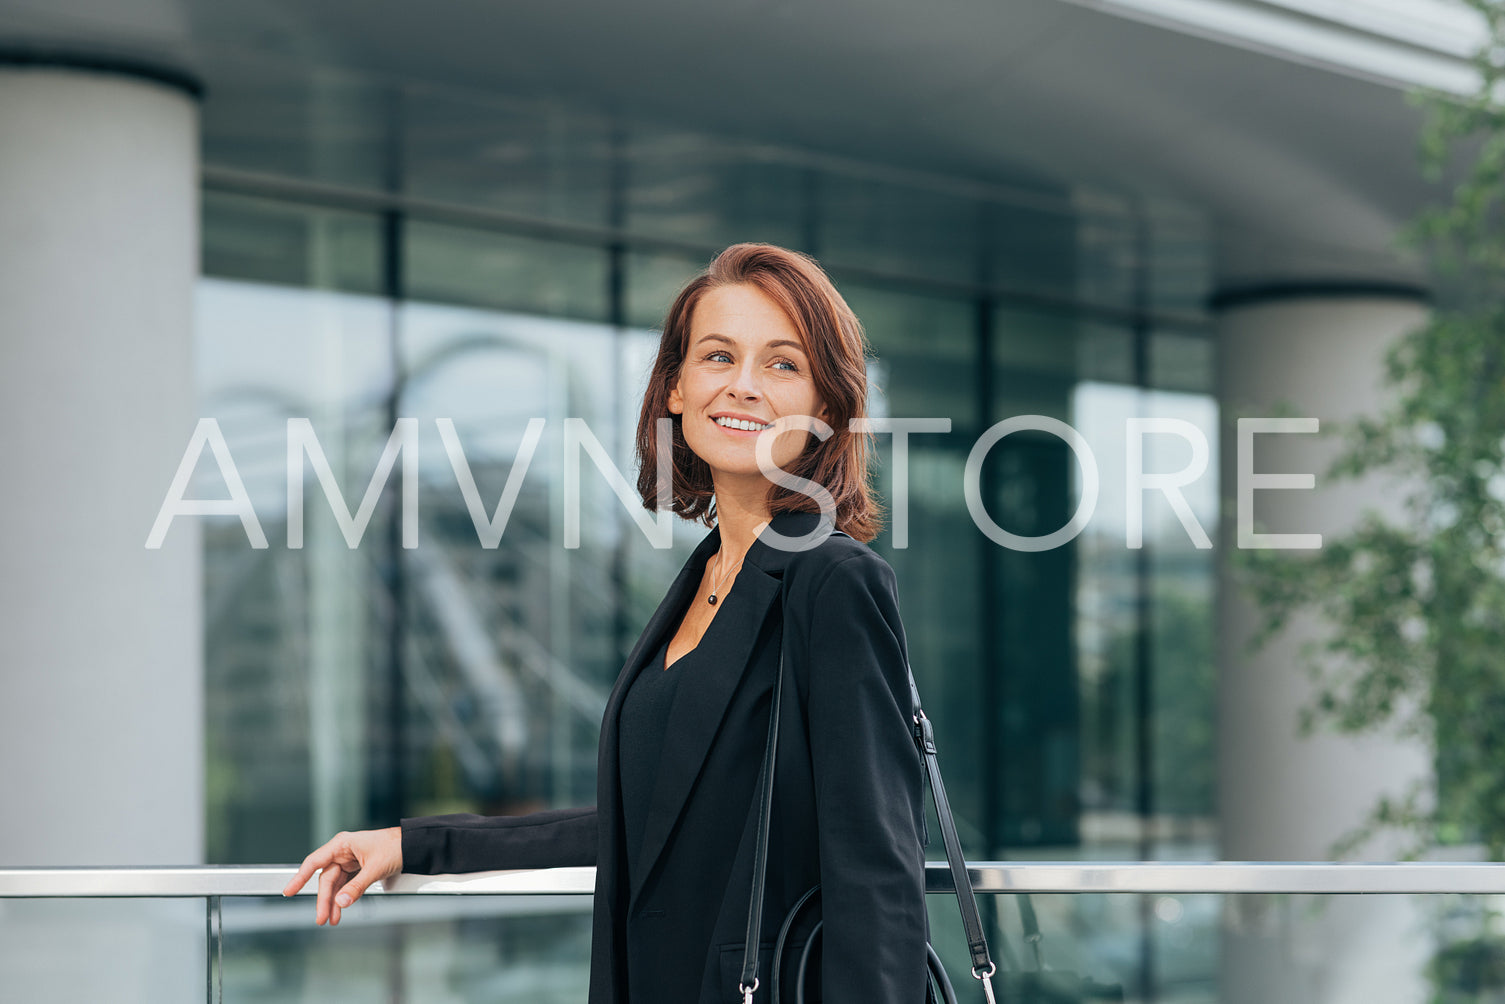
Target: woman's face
(745,363)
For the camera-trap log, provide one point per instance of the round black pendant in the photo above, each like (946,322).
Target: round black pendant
(712,599)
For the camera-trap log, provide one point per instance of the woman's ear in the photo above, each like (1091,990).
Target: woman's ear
(676,400)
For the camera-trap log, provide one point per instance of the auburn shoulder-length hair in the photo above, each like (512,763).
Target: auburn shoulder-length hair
(837,350)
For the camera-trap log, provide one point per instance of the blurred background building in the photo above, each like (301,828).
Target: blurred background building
(355,213)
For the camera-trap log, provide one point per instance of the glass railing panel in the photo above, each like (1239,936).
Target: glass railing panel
(1186,948)
(1161,932)
(434,949)
(1091,947)
(63,951)
(1253,948)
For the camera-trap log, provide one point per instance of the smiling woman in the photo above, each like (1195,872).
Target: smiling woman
(761,335)
(744,353)
(760,338)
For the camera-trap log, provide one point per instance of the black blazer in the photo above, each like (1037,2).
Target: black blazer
(847,801)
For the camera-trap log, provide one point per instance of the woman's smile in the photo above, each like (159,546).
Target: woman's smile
(740,423)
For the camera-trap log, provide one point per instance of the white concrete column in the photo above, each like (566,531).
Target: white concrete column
(1281,796)
(101,708)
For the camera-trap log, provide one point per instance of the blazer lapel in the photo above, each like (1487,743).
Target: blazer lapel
(701,699)
(608,778)
(680,591)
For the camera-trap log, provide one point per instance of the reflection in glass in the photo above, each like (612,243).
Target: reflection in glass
(709,191)
(397,948)
(1238,949)
(289,634)
(891,228)
(535,160)
(446,264)
(314,122)
(653,280)
(58,951)
(261,240)
(510,648)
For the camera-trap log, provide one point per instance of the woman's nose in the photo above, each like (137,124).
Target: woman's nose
(745,384)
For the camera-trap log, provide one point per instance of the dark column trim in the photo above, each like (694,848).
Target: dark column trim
(1244,296)
(995,660)
(1144,662)
(46,58)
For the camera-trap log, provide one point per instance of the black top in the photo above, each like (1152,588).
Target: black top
(643,735)
(643,724)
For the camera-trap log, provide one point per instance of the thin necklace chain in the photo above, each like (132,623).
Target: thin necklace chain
(716,583)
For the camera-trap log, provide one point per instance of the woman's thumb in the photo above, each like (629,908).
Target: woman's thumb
(357,886)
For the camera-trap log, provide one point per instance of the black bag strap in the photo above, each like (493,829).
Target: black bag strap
(749,979)
(983,967)
(977,942)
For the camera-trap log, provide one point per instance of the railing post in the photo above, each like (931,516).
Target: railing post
(214,951)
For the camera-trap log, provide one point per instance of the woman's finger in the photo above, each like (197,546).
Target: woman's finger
(328,880)
(334,904)
(315,860)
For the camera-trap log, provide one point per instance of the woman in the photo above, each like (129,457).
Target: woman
(762,337)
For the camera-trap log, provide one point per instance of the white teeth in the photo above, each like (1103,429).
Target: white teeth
(737,423)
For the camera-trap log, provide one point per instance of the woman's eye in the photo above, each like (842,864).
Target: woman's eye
(785,362)
(713,356)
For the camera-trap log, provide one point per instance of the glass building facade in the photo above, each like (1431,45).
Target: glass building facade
(379,253)
(491,266)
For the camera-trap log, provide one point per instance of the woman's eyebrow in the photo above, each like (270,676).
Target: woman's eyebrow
(712,336)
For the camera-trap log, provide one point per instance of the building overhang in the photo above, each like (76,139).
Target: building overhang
(1303,155)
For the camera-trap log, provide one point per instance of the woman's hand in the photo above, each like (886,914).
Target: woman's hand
(348,865)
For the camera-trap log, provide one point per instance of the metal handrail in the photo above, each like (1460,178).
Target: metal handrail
(1374,878)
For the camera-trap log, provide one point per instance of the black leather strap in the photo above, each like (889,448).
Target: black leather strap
(977,942)
(924,737)
(749,980)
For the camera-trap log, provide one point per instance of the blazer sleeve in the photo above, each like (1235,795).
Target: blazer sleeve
(462,842)
(868,789)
